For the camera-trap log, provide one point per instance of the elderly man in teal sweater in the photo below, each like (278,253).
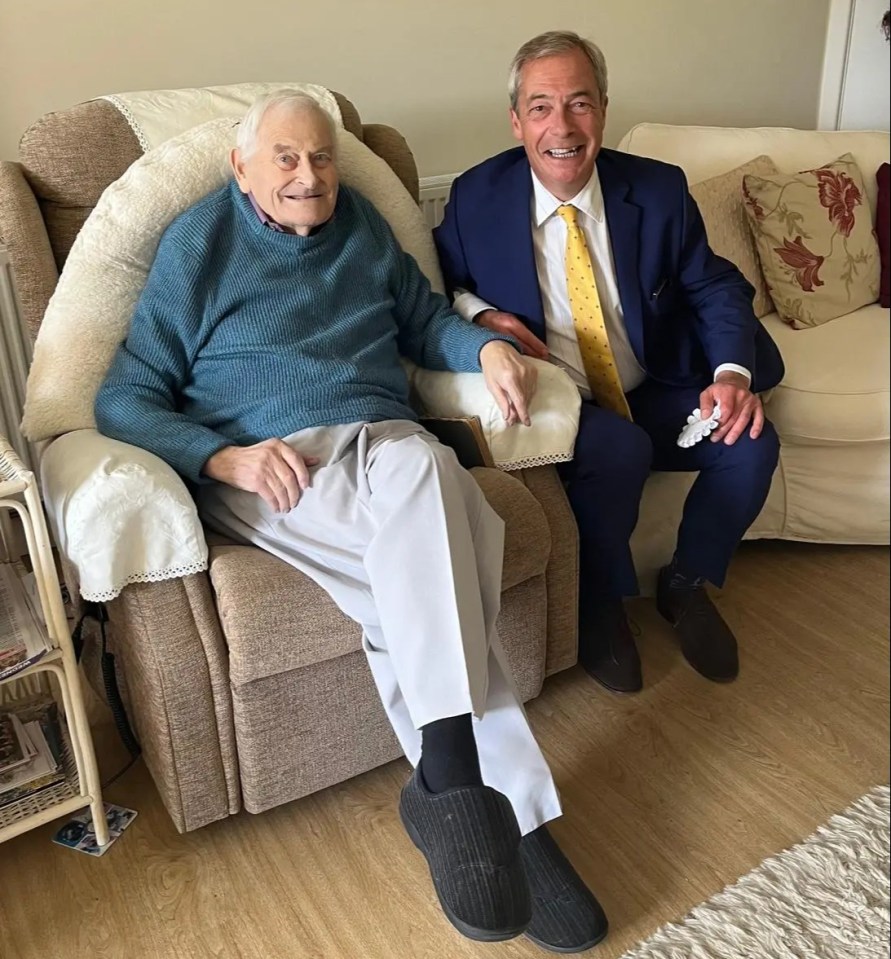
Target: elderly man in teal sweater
(263,364)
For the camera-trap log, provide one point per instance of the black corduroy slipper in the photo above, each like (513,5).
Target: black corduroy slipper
(566,917)
(471,841)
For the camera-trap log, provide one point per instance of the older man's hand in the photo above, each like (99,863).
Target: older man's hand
(510,379)
(272,469)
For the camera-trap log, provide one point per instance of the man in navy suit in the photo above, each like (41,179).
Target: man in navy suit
(599,261)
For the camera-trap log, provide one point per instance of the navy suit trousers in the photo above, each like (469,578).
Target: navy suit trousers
(613,458)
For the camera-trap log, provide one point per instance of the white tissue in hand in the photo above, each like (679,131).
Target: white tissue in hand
(697,428)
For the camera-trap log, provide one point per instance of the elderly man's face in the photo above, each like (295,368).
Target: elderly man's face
(559,118)
(291,172)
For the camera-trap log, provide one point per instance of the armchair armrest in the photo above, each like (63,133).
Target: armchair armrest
(23,233)
(119,514)
(554,412)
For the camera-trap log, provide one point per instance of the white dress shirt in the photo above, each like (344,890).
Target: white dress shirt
(549,244)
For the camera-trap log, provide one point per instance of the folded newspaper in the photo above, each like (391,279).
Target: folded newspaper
(22,640)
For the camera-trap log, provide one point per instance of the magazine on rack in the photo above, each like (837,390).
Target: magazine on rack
(22,641)
(16,747)
(42,731)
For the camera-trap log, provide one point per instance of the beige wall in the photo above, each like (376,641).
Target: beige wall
(436,71)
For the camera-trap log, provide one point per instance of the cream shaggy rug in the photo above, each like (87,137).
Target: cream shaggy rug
(826,898)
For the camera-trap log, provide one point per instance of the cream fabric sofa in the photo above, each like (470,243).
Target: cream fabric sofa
(832,408)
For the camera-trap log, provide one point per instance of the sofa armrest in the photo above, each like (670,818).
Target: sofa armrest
(119,514)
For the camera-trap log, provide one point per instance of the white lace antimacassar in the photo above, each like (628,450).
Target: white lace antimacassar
(122,107)
(150,576)
(531,461)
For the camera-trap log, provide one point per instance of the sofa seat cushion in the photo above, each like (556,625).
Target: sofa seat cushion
(836,388)
(276,619)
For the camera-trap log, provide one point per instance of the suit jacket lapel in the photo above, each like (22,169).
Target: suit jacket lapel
(623,221)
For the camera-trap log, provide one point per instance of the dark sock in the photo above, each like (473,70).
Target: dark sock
(680,578)
(448,754)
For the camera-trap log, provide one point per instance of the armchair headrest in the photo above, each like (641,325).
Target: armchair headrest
(70,156)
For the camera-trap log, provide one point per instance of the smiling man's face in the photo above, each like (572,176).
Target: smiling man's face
(291,172)
(559,118)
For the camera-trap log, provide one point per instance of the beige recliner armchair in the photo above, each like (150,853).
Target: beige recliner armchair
(245,685)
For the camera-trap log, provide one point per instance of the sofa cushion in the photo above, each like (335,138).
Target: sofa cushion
(275,618)
(883,231)
(815,240)
(720,201)
(836,388)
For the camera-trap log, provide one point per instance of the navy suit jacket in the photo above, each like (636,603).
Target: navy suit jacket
(686,309)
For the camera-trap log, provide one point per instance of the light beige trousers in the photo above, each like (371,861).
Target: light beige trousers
(403,540)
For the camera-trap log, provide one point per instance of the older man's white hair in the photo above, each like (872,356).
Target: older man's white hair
(294,100)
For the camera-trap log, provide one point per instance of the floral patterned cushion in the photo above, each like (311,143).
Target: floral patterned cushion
(814,235)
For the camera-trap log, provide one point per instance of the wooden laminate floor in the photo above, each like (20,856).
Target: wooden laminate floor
(669,795)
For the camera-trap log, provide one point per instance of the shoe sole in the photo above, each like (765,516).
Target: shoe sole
(471,932)
(627,691)
(568,950)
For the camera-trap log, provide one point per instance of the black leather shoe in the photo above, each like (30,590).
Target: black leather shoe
(566,917)
(607,650)
(706,641)
(471,841)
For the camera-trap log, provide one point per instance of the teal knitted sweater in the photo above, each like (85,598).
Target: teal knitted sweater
(243,333)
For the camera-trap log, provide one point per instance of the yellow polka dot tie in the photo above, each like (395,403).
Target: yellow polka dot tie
(587,316)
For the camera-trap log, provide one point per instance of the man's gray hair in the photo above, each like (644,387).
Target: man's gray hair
(548,45)
(246,137)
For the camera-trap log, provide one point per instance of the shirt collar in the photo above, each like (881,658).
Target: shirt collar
(589,200)
(264,216)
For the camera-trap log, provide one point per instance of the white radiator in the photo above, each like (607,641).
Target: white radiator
(15,358)
(434,193)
